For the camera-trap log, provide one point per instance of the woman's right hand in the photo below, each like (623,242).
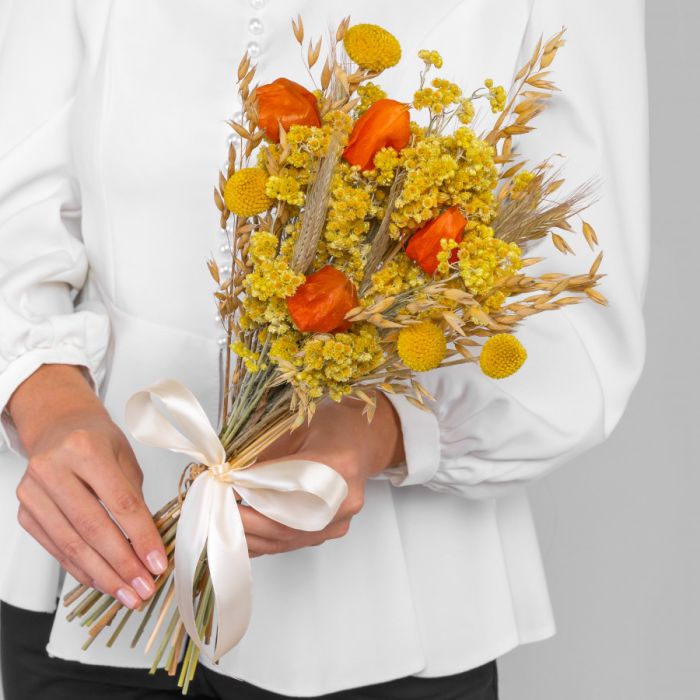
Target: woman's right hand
(81,471)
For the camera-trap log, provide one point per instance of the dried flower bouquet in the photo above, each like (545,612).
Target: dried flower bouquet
(366,248)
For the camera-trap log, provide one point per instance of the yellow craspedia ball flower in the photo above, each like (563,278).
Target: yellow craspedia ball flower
(502,355)
(244,192)
(422,346)
(372,47)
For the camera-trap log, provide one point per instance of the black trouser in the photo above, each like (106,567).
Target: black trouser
(28,673)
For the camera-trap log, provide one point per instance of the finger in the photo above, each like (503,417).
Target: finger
(257,524)
(257,546)
(336,529)
(125,502)
(74,548)
(130,466)
(94,525)
(261,545)
(30,524)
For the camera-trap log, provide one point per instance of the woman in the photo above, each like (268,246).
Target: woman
(111,132)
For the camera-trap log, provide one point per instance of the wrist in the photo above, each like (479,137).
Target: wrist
(52,395)
(384,436)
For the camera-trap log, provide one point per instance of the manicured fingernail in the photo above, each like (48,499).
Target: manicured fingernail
(143,587)
(128,598)
(157,563)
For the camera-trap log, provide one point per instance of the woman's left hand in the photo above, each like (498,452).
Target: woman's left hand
(341,437)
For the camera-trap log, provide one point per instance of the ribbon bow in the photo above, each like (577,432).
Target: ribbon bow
(298,493)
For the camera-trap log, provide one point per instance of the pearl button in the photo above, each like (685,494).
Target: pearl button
(224,271)
(225,249)
(255,26)
(222,340)
(253,49)
(230,226)
(257,4)
(233,138)
(238,117)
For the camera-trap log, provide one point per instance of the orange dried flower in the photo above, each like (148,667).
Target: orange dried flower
(424,245)
(319,305)
(385,124)
(286,102)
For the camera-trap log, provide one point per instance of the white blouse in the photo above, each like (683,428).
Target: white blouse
(112,130)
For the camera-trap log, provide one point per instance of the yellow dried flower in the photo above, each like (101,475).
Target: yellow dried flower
(502,355)
(466,111)
(522,180)
(244,192)
(396,276)
(369,93)
(386,160)
(286,189)
(272,278)
(439,97)
(372,47)
(447,245)
(271,313)
(497,95)
(431,58)
(263,246)
(485,259)
(250,357)
(286,348)
(347,223)
(330,362)
(444,171)
(337,121)
(422,346)
(494,302)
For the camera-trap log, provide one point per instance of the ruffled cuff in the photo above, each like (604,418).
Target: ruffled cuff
(89,356)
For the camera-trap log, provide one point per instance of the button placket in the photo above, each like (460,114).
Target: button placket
(256,28)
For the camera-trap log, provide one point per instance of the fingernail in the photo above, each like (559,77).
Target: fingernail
(128,598)
(143,587)
(157,563)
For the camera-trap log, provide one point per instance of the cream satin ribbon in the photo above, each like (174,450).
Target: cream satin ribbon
(298,493)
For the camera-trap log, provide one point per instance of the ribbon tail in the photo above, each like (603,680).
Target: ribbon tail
(229,568)
(191,540)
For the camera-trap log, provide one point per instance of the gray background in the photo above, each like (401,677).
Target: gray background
(619,527)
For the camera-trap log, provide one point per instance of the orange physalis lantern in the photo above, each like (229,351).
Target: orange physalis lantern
(286,102)
(424,245)
(320,304)
(385,124)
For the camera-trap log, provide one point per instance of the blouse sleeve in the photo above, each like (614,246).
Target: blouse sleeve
(485,437)
(43,264)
